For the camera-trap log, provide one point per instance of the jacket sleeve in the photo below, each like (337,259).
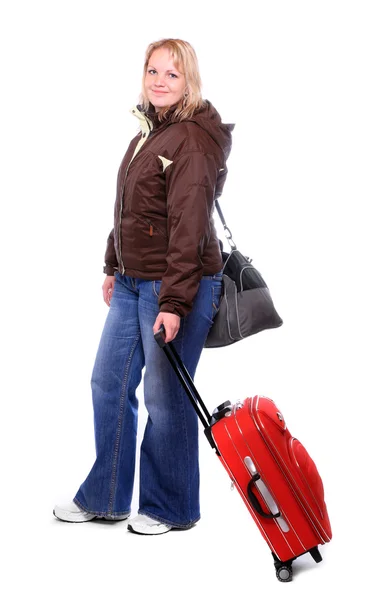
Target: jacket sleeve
(190,184)
(111,263)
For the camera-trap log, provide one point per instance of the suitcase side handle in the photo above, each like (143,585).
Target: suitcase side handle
(184,377)
(254,501)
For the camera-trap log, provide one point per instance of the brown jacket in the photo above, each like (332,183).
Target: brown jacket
(167,183)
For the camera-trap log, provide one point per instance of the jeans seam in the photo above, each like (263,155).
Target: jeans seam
(113,481)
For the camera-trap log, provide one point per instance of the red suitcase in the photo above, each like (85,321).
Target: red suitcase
(273,472)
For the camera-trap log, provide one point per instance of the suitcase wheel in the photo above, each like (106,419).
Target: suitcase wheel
(315,554)
(283,569)
(284,573)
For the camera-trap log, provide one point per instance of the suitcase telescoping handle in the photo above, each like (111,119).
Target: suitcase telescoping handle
(184,377)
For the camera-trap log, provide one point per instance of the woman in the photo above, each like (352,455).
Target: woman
(163,266)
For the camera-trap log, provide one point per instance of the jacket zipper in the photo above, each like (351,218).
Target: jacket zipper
(120,220)
(152,228)
(137,148)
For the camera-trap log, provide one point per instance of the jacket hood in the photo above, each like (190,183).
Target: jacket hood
(207,117)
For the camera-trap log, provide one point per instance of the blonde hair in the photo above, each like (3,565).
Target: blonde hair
(186,62)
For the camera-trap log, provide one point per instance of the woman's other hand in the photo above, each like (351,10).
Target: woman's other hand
(108,288)
(171,324)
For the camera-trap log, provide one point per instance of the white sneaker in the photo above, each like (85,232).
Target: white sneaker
(147,526)
(71,513)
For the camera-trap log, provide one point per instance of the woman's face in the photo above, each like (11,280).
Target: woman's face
(164,84)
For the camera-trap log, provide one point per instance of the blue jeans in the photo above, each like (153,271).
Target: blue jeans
(169,467)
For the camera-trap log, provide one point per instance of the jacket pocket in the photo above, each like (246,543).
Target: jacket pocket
(152,228)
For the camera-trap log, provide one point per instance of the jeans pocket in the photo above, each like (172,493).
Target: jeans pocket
(217,288)
(156,288)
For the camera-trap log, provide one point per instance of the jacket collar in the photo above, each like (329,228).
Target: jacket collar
(149,120)
(145,123)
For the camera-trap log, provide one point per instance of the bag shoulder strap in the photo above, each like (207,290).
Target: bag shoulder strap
(227,231)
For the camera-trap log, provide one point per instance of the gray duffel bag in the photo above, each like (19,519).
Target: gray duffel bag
(246,305)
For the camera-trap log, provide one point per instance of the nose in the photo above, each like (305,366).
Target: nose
(159,80)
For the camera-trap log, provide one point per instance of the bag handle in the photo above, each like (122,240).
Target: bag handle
(227,231)
(255,503)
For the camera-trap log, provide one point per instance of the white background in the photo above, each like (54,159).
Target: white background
(302,82)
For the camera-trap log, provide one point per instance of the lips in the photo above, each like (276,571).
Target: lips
(157,92)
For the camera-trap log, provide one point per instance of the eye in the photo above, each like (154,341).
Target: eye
(151,71)
(173,75)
